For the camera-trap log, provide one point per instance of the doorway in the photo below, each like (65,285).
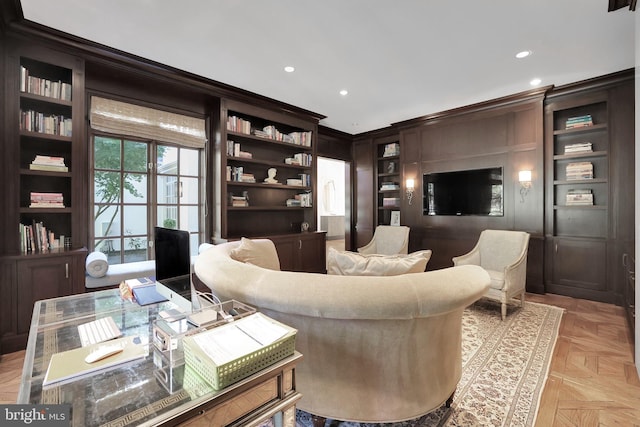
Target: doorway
(332,201)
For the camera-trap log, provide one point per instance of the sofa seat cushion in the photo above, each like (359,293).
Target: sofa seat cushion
(497,279)
(119,272)
(346,263)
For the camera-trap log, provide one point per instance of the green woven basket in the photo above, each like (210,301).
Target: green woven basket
(221,376)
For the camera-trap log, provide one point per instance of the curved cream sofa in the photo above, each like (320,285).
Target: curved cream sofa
(376,349)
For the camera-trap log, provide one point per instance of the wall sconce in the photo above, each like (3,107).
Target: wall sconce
(525,184)
(410,187)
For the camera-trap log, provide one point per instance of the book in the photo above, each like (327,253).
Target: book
(147,294)
(67,365)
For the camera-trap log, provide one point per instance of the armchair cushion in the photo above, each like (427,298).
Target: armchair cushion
(347,263)
(497,279)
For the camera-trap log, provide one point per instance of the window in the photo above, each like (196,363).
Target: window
(132,194)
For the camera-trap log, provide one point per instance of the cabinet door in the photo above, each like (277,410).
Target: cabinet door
(364,195)
(39,279)
(287,252)
(579,264)
(312,253)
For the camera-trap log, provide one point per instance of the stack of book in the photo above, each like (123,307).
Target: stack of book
(581,147)
(579,121)
(579,197)
(48,163)
(43,87)
(46,200)
(390,202)
(392,149)
(389,186)
(36,238)
(34,121)
(579,170)
(239,201)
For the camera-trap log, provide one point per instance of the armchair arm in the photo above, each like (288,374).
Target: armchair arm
(369,248)
(472,257)
(515,275)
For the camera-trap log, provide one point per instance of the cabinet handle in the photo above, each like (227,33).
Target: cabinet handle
(66,270)
(556,248)
(300,244)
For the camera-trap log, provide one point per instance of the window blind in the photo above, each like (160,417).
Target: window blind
(122,118)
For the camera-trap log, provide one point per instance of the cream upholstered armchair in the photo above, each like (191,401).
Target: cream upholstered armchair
(388,240)
(503,254)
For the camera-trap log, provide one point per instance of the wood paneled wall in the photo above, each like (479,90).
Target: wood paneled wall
(507,132)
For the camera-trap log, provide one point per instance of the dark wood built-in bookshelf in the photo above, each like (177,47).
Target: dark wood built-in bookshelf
(388,178)
(46,203)
(253,141)
(587,196)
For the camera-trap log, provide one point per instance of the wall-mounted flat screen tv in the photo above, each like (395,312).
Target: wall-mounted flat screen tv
(464,192)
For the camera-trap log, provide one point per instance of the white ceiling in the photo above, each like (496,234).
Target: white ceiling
(398,59)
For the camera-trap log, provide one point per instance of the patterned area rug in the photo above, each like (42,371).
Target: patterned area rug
(505,366)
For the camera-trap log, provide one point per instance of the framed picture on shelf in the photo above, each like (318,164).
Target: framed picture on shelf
(395,218)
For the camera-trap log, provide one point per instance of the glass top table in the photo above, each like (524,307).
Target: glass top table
(140,392)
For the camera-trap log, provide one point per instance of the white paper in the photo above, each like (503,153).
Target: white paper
(261,329)
(237,339)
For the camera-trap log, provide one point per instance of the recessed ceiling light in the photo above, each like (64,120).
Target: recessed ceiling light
(344,92)
(535,82)
(523,54)
(289,69)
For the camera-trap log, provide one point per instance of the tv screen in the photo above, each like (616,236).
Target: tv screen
(464,192)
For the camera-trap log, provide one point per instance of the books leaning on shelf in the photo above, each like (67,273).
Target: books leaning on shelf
(46,200)
(299,159)
(43,87)
(579,170)
(240,125)
(303,200)
(237,124)
(581,147)
(36,238)
(237,174)
(579,197)
(234,150)
(579,121)
(33,121)
(48,163)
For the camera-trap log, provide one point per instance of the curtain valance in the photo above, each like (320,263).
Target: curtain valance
(108,115)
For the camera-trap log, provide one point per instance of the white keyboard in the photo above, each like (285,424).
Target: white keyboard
(99,330)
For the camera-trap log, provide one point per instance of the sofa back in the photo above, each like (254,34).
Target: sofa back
(376,349)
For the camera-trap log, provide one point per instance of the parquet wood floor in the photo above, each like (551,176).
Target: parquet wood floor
(592,379)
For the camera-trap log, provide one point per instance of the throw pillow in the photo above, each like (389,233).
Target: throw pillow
(96,264)
(261,254)
(347,263)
